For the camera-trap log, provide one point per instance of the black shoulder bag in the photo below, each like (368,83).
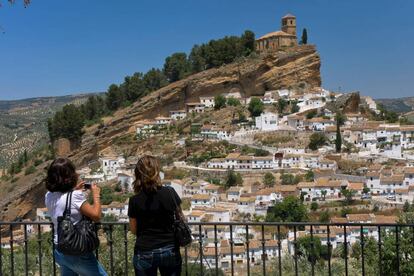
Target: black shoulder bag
(182,232)
(76,239)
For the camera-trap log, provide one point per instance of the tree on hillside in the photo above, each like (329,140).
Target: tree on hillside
(219,102)
(348,194)
(154,79)
(133,87)
(294,107)
(176,67)
(197,59)
(231,101)
(281,105)
(269,179)
(256,107)
(309,176)
(114,97)
(291,209)
(340,120)
(67,123)
(317,140)
(304,39)
(231,179)
(249,41)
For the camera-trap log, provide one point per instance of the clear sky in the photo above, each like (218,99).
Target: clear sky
(58,47)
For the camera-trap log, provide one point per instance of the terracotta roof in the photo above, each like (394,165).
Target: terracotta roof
(233,155)
(275,34)
(196,213)
(357,186)
(289,15)
(392,179)
(201,197)
(247,199)
(409,170)
(402,191)
(385,219)
(339,220)
(237,249)
(359,217)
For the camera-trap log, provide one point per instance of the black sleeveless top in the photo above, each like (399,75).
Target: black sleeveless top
(154,213)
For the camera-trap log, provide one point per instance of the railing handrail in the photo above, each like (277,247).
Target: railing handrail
(367,224)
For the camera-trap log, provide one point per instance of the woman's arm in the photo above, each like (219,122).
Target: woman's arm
(133,225)
(93,211)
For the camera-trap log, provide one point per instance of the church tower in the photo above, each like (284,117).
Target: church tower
(289,24)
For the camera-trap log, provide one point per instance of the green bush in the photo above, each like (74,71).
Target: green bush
(30,170)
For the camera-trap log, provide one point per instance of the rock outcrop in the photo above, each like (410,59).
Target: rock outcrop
(251,76)
(347,103)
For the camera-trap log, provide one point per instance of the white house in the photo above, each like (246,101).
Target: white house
(195,107)
(207,101)
(178,114)
(111,165)
(176,184)
(203,200)
(267,121)
(162,121)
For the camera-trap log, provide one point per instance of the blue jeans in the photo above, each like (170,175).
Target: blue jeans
(166,259)
(82,265)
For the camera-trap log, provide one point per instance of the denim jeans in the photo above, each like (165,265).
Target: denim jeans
(166,259)
(82,265)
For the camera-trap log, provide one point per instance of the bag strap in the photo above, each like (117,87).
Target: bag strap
(68,205)
(170,189)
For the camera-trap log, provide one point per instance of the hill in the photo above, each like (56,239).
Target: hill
(399,105)
(296,67)
(23,124)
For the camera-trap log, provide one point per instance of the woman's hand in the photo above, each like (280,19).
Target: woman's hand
(93,211)
(80,185)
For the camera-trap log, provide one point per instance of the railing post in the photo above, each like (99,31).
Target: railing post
(247,250)
(216,248)
(379,251)
(39,244)
(345,251)
(200,241)
(231,250)
(295,248)
(313,257)
(279,250)
(362,250)
(126,248)
(111,252)
(26,259)
(11,250)
(397,249)
(263,252)
(328,230)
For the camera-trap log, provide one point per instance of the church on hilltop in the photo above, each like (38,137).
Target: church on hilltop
(284,38)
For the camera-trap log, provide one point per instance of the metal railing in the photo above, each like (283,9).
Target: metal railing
(234,248)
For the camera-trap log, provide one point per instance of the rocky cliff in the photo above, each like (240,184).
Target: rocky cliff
(293,67)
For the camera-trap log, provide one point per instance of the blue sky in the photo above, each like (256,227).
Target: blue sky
(57,47)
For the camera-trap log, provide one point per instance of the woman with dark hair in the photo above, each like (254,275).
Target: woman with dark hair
(60,181)
(151,217)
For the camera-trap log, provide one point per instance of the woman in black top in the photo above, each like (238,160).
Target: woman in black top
(151,217)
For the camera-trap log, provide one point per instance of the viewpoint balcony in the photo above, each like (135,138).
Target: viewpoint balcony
(235,248)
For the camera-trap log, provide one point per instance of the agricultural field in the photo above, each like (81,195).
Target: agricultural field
(23,124)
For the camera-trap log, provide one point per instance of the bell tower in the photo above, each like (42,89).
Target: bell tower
(289,24)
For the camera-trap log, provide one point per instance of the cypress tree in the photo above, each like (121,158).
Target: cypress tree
(304,40)
(338,140)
